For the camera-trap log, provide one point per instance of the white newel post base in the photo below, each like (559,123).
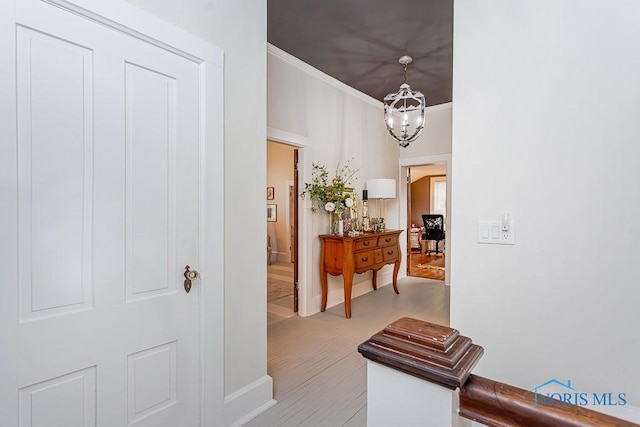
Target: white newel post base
(396,398)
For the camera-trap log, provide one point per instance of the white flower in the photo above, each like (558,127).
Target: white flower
(330,207)
(348,202)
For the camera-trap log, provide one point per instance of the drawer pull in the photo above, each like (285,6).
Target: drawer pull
(387,240)
(389,252)
(364,259)
(367,243)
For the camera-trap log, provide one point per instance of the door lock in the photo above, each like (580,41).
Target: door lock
(189,275)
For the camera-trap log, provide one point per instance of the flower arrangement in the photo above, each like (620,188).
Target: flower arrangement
(329,194)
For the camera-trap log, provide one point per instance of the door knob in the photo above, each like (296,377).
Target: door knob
(189,275)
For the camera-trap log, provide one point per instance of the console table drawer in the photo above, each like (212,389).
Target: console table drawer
(387,240)
(389,254)
(364,244)
(365,259)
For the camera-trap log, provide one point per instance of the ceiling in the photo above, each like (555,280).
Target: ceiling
(418,172)
(359,42)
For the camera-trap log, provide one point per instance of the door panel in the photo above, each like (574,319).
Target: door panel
(150,193)
(55,200)
(108,210)
(69,400)
(152,380)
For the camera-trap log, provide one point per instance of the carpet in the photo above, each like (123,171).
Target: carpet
(279,281)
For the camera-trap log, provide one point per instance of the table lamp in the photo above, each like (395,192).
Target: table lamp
(382,189)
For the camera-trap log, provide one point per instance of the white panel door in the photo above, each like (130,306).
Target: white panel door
(108,214)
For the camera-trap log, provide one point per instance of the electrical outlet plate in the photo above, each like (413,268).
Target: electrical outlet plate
(491,232)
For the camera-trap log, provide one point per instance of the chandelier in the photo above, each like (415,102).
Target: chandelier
(404,110)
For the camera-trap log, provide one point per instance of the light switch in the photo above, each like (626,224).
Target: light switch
(493,232)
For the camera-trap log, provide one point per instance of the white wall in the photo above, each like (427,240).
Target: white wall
(545,126)
(239,28)
(436,135)
(339,123)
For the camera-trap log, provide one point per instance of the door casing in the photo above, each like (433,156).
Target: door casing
(305,236)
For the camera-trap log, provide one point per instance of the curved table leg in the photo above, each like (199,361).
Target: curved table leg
(323,285)
(348,283)
(396,268)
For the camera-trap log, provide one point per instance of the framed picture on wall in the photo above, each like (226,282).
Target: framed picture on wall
(270,193)
(272,213)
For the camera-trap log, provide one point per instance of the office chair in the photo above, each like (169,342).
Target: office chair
(433,230)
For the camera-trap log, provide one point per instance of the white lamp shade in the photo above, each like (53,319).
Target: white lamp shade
(381,188)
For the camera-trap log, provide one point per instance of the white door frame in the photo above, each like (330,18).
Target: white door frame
(289,184)
(305,236)
(402,173)
(124,18)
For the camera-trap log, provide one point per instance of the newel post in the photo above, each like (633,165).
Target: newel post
(414,372)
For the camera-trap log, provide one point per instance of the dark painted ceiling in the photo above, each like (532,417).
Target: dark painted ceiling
(359,42)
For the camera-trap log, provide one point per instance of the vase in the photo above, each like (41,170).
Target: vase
(336,219)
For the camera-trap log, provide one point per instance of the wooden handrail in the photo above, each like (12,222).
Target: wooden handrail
(497,404)
(440,355)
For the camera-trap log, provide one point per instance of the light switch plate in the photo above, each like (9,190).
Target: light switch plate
(491,232)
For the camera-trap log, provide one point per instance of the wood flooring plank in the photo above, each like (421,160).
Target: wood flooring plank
(359,419)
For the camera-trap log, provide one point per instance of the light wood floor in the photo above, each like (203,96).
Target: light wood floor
(319,377)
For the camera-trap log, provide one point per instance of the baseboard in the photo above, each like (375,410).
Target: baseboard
(248,402)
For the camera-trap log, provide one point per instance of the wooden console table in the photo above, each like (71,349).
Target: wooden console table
(348,255)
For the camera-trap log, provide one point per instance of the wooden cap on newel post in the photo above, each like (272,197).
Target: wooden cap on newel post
(438,361)
(435,353)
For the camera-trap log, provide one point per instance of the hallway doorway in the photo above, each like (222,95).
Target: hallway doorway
(427,191)
(282,231)
(426,195)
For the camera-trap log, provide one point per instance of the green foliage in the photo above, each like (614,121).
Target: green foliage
(329,194)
